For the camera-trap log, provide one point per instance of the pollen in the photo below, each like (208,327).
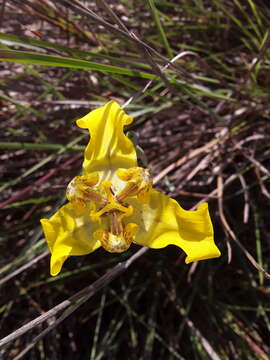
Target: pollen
(109,205)
(82,189)
(117,242)
(139,183)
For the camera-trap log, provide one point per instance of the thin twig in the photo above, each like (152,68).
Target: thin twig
(2,11)
(112,15)
(204,342)
(40,181)
(221,214)
(185,158)
(81,297)
(264,191)
(262,52)
(150,82)
(151,62)
(24,267)
(145,52)
(246,199)
(85,11)
(235,239)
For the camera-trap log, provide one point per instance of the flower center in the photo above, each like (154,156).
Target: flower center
(110,207)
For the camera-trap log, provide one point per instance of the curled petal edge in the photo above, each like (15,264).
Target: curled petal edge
(69,233)
(164,222)
(108,148)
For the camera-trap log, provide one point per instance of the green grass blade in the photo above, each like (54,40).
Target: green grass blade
(32,146)
(24,57)
(160,28)
(38,45)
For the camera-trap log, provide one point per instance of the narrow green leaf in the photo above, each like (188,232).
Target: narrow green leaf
(25,57)
(39,45)
(160,27)
(32,146)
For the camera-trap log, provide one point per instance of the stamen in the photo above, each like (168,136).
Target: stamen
(139,183)
(116,226)
(117,243)
(130,189)
(116,237)
(112,205)
(80,190)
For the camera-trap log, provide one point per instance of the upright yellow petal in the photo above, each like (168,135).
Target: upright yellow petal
(163,222)
(69,232)
(109,148)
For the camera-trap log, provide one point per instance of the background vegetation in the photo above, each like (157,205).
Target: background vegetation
(203,122)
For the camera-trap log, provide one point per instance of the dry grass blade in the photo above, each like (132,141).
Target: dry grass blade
(264,190)
(185,158)
(246,198)
(81,297)
(2,11)
(153,64)
(252,342)
(40,181)
(233,236)
(145,52)
(112,14)
(206,345)
(222,216)
(134,97)
(75,5)
(24,267)
(262,52)
(206,140)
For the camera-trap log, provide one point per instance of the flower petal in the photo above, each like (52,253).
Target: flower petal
(109,148)
(163,222)
(68,233)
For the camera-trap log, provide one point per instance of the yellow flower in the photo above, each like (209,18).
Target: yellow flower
(113,203)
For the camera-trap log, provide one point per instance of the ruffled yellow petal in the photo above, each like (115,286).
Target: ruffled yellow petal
(113,204)
(69,232)
(163,222)
(109,148)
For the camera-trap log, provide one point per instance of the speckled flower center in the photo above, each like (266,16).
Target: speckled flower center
(110,204)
